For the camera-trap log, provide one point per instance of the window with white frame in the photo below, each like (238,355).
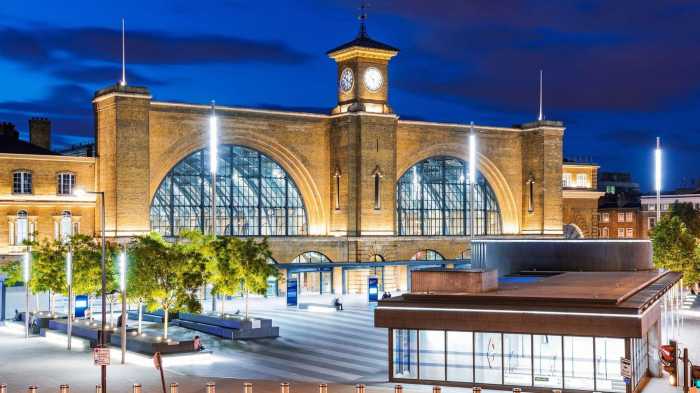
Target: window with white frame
(630,232)
(21,182)
(567,180)
(604,217)
(582,180)
(21,228)
(620,217)
(652,222)
(66,226)
(629,216)
(620,232)
(604,232)
(65,182)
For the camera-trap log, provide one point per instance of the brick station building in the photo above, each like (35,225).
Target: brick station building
(342,195)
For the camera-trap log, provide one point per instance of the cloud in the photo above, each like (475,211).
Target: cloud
(644,138)
(101,75)
(63,100)
(39,46)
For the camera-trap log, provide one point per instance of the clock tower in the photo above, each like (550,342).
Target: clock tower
(363,80)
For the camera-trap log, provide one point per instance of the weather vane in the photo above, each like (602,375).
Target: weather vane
(363,17)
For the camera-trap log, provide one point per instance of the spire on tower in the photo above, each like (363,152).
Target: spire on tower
(363,18)
(122,82)
(540,117)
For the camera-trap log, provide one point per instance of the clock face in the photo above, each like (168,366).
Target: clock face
(346,80)
(373,79)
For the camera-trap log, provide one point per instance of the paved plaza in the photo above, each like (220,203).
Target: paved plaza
(338,348)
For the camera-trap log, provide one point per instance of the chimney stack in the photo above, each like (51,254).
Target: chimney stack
(40,132)
(8,130)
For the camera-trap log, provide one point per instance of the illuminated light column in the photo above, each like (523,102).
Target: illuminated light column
(69,283)
(657,173)
(25,277)
(472,181)
(213,163)
(122,288)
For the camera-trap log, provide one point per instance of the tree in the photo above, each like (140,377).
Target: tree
(166,275)
(49,269)
(202,244)
(675,248)
(689,215)
(253,267)
(225,271)
(12,272)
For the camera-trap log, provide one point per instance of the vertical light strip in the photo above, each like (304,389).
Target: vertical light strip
(657,173)
(122,271)
(26,268)
(213,140)
(472,156)
(69,268)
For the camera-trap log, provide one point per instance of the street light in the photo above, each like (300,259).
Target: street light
(657,172)
(25,277)
(122,288)
(213,163)
(69,282)
(472,181)
(103,344)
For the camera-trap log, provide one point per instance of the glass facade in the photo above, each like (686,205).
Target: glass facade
(315,281)
(433,198)
(521,360)
(254,196)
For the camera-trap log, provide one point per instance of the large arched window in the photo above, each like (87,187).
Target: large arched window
(254,196)
(311,257)
(433,199)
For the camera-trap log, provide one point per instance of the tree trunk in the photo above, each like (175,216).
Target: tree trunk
(213,303)
(165,323)
(36,303)
(52,302)
(246,304)
(140,315)
(223,304)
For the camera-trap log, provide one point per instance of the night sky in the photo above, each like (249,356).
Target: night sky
(617,73)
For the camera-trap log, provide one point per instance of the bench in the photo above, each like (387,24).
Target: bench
(229,327)
(150,345)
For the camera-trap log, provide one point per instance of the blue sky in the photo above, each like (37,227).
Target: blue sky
(617,73)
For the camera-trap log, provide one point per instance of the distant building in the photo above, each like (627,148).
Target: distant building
(580,196)
(648,206)
(619,208)
(81,150)
(617,183)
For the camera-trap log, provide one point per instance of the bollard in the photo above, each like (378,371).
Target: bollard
(436,389)
(136,388)
(398,389)
(98,388)
(284,387)
(32,389)
(211,387)
(476,389)
(173,387)
(323,388)
(556,391)
(3,388)
(247,387)
(360,388)
(64,389)
(517,390)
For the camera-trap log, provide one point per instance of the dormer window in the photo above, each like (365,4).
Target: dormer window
(65,183)
(22,182)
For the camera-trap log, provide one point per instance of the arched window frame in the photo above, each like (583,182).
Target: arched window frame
(244,208)
(305,257)
(420,206)
(430,255)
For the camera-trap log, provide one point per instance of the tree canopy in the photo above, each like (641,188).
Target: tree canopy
(676,249)
(12,272)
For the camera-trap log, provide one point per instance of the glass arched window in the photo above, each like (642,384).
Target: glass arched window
(427,255)
(376,258)
(311,257)
(433,199)
(21,227)
(254,196)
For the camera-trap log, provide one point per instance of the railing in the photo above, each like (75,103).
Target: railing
(247,388)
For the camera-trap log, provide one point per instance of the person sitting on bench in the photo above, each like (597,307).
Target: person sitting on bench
(338,304)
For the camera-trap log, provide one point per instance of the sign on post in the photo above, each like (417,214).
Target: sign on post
(292,295)
(626,369)
(101,356)
(81,304)
(373,288)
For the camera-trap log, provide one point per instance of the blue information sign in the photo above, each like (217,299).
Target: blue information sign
(81,304)
(373,289)
(292,295)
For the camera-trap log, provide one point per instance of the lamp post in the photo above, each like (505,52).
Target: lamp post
(102,344)
(472,182)
(122,288)
(25,277)
(657,173)
(69,282)
(213,163)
